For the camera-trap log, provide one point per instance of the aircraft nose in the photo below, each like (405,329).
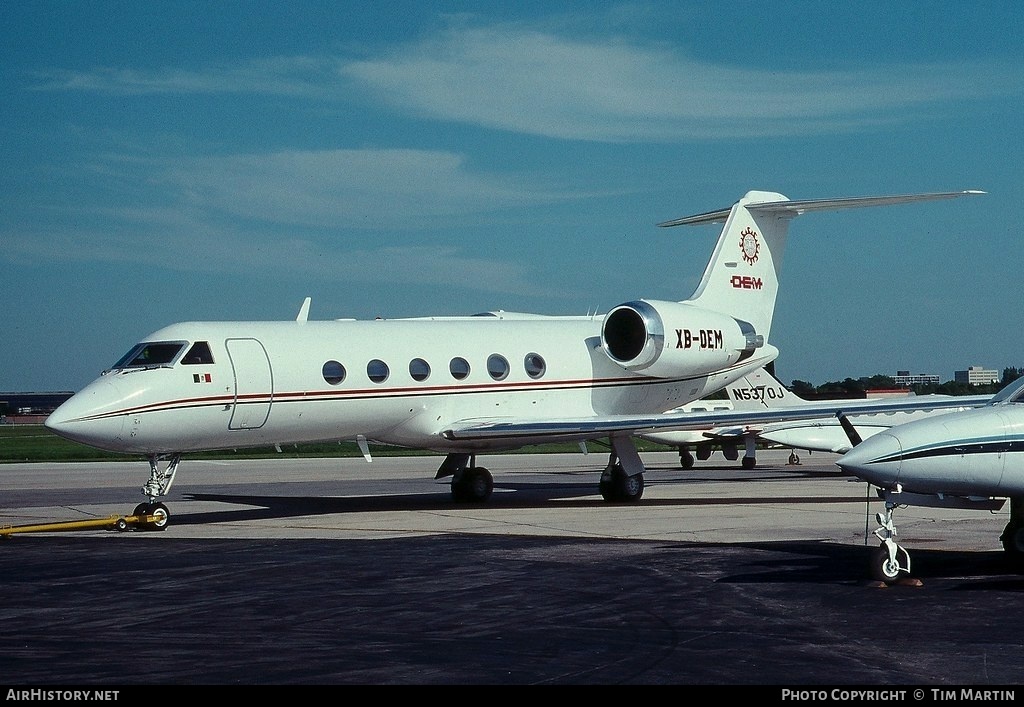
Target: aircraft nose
(86,417)
(875,460)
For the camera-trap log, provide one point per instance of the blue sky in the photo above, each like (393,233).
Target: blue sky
(178,161)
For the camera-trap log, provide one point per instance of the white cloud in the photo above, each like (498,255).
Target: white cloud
(540,82)
(300,212)
(363,189)
(544,84)
(287,76)
(177,242)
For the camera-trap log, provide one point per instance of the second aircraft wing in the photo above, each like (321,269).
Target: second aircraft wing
(495,429)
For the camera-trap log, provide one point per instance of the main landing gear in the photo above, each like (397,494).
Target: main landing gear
(686,459)
(470,483)
(729,451)
(622,480)
(1013,534)
(619,487)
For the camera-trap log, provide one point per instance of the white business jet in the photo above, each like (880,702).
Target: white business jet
(760,390)
(971,459)
(458,385)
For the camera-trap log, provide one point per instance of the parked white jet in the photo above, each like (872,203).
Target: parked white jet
(745,394)
(760,390)
(969,459)
(702,442)
(459,385)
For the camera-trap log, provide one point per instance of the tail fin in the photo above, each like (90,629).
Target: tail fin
(742,277)
(761,390)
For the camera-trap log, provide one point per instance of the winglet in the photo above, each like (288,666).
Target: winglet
(304,311)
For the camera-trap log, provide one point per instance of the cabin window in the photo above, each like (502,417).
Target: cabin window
(377,371)
(419,369)
(459,368)
(199,354)
(334,372)
(497,367)
(156,353)
(534,365)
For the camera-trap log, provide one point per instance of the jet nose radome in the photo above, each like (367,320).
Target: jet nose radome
(86,417)
(875,460)
(62,420)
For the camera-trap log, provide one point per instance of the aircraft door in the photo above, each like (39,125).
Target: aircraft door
(254,384)
(982,461)
(1002,447)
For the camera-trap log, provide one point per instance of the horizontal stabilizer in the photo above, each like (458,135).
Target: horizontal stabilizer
(795,208)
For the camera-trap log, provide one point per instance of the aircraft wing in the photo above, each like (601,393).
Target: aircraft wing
(496,429)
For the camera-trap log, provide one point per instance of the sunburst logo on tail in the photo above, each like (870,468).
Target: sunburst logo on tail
(749,245)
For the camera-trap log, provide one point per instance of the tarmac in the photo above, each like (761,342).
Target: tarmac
(292,571)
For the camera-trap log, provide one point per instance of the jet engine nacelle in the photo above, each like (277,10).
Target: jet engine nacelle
(666,339)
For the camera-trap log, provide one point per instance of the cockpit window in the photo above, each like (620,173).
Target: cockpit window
(1016,394)
(156,353)
(1013,393)
(199,353)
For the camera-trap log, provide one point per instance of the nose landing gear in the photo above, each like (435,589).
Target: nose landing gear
(159,484)
(890,561)
(156,516)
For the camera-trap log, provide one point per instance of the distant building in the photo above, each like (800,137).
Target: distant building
(887,392)
(29,408)
(907,379)
(976,375)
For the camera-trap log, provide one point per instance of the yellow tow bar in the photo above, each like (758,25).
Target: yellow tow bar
(109,523)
